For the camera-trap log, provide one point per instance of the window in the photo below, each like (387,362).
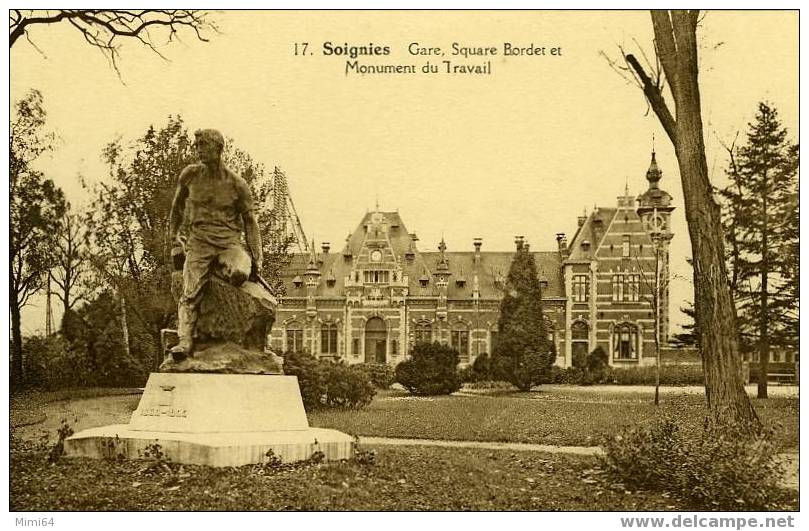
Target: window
(580,338)
(492,340)
(424,333)
(459,340)
(625,342)
(625,287)
(581,288)
(328,338)
(394,347)
(626,246)
(617,287)
(376,277)
(355,346)
(294,338)
(632,288)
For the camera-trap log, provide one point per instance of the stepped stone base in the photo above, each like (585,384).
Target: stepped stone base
(210,449)
(215,420)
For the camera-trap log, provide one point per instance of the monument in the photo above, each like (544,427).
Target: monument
(220,397)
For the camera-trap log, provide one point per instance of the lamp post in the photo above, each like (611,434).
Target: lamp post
(657,241)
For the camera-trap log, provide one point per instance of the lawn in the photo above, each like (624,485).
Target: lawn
(561,416)
(402,478)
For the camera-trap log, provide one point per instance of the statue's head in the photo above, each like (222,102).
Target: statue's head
(209,144)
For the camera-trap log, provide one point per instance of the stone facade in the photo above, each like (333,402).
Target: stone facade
(380,295)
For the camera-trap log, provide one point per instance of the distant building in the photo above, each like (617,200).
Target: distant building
(380,295)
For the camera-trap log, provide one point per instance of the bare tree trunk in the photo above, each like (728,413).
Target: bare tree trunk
(764,325)
(16,347)
(125,327)
(675,40)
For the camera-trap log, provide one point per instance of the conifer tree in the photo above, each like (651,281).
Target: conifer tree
(522,355)
(761,215)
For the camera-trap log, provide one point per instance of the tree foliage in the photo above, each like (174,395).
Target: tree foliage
(760,208)
(36,208)
(522,355)
(128,220)
(432,369)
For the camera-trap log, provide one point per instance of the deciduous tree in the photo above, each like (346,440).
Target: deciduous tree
(675,35)
(35,209)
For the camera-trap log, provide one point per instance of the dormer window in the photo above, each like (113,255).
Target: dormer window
(297,281)
(585,244)
(424,281)
(460,282)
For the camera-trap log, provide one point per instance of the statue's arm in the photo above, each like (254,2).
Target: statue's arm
(178,204)
(251,229)
(253,239)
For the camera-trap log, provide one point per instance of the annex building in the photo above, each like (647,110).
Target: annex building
(380,295)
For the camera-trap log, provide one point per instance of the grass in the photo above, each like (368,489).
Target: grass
(402,478)
(563,416)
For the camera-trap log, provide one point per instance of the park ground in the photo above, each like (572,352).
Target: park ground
(386,476)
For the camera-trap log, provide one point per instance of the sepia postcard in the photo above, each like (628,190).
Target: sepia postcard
(404,260)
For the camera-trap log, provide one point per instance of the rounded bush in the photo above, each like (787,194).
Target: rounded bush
(382,375)
(431,370)
(329,384)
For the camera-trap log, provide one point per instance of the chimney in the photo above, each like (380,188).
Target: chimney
(581,220)
(561,241)
(478,242)
(325,246)
(518,242)
(527,247)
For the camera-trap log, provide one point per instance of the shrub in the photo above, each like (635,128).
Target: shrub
(669,375)
(51,363)
(329,384)
(347,386)
(382,375)
(431,370)
(311,378)
(596,368)
(712,467)
(568,375)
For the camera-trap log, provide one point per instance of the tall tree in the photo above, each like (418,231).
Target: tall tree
(676,49)
(105,29)
(70,260)
(522,355)
(758,206)
(36,207)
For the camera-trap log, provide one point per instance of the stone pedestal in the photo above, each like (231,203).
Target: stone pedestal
(215,420)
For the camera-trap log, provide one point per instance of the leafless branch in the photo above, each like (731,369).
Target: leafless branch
(104,29)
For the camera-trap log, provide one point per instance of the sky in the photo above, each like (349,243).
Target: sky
(522,151)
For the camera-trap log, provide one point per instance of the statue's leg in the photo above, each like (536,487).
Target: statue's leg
(195,273)
(233,265)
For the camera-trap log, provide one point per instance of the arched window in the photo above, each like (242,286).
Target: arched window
(580,338)
(294,334)
(625,341)
(423,333)
(328,338)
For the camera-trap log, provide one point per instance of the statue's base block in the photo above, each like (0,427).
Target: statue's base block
(214,420)
(210,449)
